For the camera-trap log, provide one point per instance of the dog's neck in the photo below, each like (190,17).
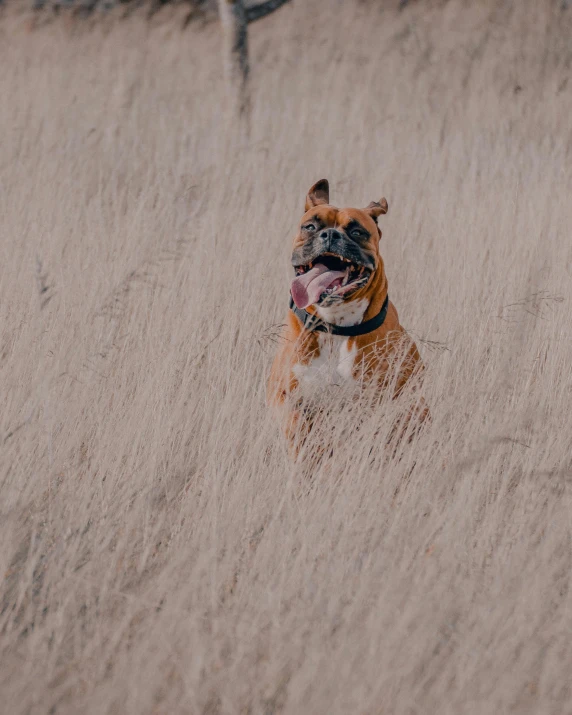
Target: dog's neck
(356,311)
(344,314)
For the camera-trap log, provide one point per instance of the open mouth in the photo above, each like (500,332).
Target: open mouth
(328,279)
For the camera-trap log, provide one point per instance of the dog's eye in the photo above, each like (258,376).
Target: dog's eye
(357,233)
(309,227)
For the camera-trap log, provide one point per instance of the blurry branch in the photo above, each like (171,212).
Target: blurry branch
(45,294)
(18,427)
(432,345)
(257,12)
(86,8)
(235,18)
(272,334)
(235,49)
(42,284)
(536,304)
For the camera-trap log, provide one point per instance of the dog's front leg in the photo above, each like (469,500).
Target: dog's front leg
(296,420)
(293,418)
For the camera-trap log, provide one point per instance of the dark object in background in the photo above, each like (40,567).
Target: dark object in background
(88,6)
(235,16)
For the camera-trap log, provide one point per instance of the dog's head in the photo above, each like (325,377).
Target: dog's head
(336,251)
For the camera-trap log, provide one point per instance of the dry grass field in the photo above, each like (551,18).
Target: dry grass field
(160,553)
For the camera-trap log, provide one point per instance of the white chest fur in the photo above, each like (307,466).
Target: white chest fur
(334,366)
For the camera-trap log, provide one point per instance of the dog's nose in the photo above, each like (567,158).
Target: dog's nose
(330,233)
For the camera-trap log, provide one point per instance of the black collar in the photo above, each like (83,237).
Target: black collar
(312,322)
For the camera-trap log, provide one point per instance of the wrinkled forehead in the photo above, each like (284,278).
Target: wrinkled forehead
(332,216)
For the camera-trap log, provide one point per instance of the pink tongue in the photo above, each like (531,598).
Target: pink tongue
(307,288)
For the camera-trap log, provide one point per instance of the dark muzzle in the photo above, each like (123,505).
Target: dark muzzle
(331,240)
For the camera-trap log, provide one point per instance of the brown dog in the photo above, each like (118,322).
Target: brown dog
(341,329)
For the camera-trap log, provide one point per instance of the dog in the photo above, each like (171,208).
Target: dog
(341,328)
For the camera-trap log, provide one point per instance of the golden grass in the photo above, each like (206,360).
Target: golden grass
(160,553)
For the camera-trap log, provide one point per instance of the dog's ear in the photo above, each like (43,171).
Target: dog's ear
(376,208)
(318,194)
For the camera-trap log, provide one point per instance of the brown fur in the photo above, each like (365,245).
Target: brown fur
(377,351)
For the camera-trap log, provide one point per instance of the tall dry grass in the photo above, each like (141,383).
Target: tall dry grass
(160,552)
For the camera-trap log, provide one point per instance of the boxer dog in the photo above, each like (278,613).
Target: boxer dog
(341,329)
